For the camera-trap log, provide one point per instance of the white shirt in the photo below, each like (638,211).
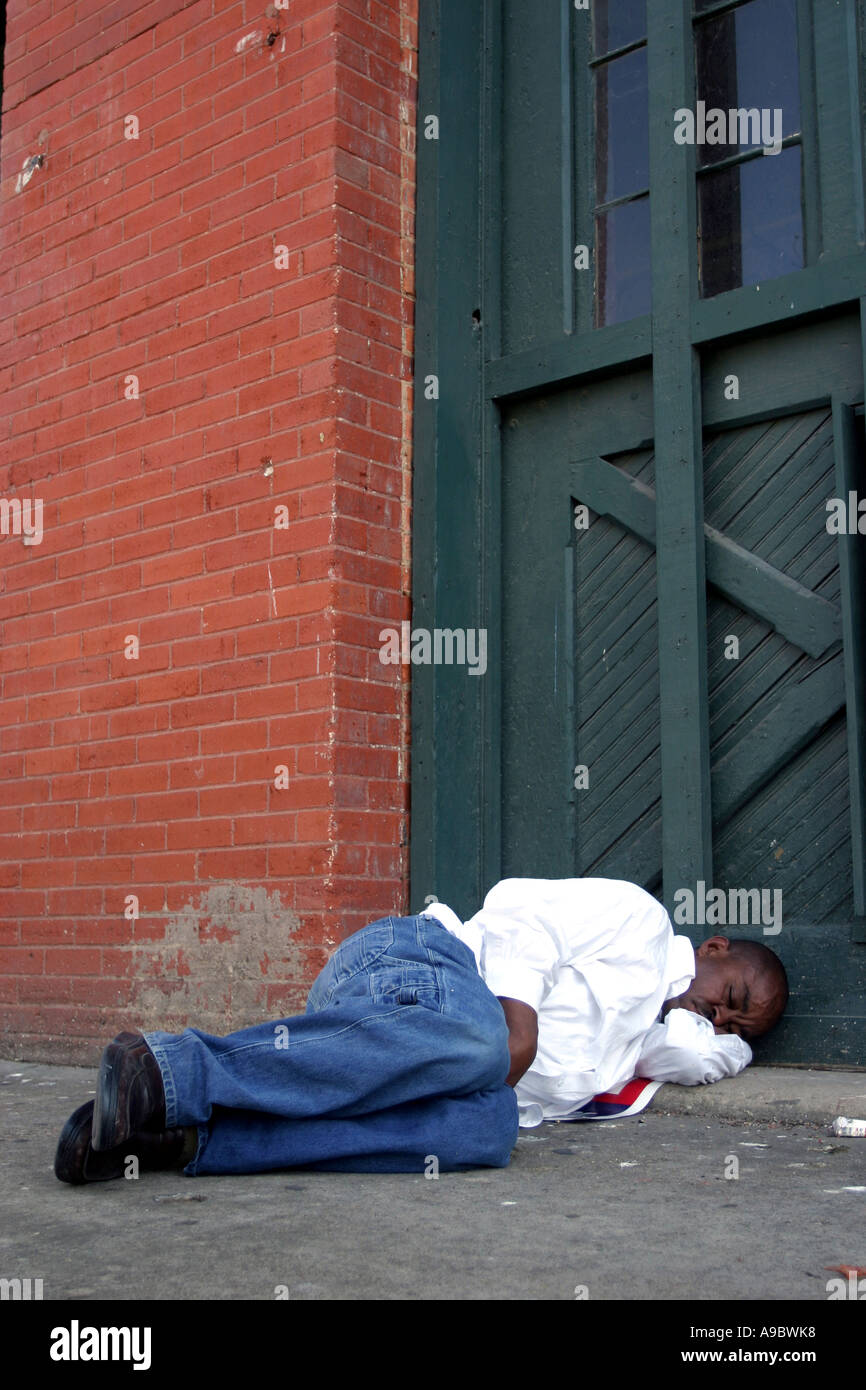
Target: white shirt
(595,958)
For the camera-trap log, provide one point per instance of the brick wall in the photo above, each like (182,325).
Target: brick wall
(205,351)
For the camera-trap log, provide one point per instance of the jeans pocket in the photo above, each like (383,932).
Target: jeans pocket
(406,984)
(352,958)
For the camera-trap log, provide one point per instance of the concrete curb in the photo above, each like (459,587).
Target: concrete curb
(771,1095)
(767,1095)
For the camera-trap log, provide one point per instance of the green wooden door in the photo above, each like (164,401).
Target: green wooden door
(649,364)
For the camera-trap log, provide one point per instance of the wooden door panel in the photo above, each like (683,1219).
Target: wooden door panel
(781,813)
(795,834)
(617,694)
(776,712)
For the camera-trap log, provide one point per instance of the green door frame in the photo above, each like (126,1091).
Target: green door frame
(450,480)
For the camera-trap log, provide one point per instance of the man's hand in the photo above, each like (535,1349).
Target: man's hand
(522,1036)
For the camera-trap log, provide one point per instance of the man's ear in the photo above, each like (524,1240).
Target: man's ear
(714,945)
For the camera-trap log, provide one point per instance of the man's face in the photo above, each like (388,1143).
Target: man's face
(730,991)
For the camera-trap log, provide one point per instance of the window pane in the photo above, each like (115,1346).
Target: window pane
(747,60)
(622,242)
(751,222)
(616,23)
(621,127)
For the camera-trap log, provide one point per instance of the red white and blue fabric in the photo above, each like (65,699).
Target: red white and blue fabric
(630,1099)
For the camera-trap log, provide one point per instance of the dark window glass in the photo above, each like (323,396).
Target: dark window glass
(621,127)
(621,111)
(616,23)
(750,212)
(747,61)
(751,222)
(622,241)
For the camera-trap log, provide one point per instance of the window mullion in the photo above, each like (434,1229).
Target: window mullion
(836,97)
(809,131)
(584,145)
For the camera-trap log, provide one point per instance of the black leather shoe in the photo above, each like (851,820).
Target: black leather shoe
(129,1092)
(77,1162)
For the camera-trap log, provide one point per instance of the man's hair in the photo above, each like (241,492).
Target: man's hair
(767,963)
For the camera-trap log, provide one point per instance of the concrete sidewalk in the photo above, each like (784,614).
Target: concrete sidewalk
(733,1191)
(771,1095)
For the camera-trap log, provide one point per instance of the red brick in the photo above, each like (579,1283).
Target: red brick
(162,868)
(104,870)
(201,711)
(160,519)
(21,961)
(76,961)
(115,994)
(133,839)
(241,864)
(170,686)
(233,675)
(168,747)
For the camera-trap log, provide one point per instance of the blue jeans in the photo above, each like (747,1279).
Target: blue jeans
(400,1058)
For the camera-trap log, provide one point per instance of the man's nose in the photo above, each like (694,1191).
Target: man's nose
(722,1015)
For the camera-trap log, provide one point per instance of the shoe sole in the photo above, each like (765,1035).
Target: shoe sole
(105,1117)
(69,1167)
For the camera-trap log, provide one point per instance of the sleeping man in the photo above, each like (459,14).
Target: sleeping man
(427,1037)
